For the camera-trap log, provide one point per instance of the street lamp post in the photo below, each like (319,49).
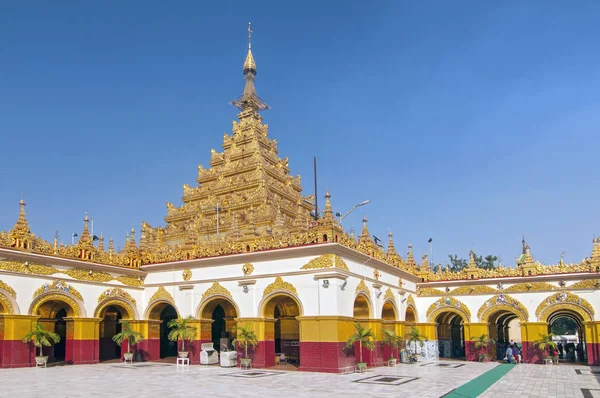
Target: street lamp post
(352,209)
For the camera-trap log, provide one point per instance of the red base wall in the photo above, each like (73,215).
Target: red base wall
(471,354)
(148,349)
(82,352)
(325,357)
(530,353)
(593,354)
(263,356)
(16,354)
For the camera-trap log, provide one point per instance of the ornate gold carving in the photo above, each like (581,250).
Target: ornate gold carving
(376,274)
(130,281)
(279,284)
(216,288)
(118,293)
(564,301)
(186,274)
(20,267)
(162,294)
(58,286)
(429,291)
(6,304)
(37,302)
(586,284)
(502,302)
(88,275)
(530,287)
(475,289)
(400,282)
(116,301)
(389,294)
(248,269)
(446,304)
(8,289)
(326,261)
(410,302)
(362,287)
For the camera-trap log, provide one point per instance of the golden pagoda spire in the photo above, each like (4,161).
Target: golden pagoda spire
(101,242)
(472,263)
(392,255)
(111,248)
(328,213)
(425,263)
(410,256)
(130,244)
(21,234)
(364,234)
(595,257)
(84,239)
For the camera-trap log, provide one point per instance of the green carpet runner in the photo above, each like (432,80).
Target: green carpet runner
(478,385)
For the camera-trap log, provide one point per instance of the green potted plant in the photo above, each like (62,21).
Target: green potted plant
(132,336)
(482,343)
(365,338)
(545,344)
(245,337)
(414,337)
(390,339)
(181,330)
(41,337)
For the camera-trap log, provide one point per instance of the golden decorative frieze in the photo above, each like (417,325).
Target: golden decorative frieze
(530,287)
(130,281)
(429,291)
(162,294)
(248,269)
(280,284)
(585,285)
(362,287)
(20,267)
(8,289)
(474,289)
(410,302)
(502,302)
(389,294)
(564,300)
(58,286)
(326,261)
(445,304)
(87,275)
(216,288)
(116,292)
(186,274)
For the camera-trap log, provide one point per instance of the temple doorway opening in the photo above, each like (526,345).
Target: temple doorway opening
(53,316)
(570,339)
(451,335)
(222,312)
(286,332)
(167,348)
(504,328)
(109,327)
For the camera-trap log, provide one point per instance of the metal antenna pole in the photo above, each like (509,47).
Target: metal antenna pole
(316,195)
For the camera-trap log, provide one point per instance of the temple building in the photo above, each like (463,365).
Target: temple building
(244,249)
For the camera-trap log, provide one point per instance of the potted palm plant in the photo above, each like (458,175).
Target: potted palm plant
(482,343)
(245,338)
(414,337)
(365,337)
(132,336)
(181,330)
(390,339)
(41,337)
(545,344)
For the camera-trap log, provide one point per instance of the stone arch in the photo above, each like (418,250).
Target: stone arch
(503,303)
(410,313)
(127,306)
(564,301)
(209,303)
(448,304)
(389,312)
(268,304)
(8,304)
(362,306)
(51,300)
(159,300)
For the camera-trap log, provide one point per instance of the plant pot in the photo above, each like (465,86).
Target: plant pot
(245,362)
(128,356)
(183,354)
(41,361)
(392,362)
(361,366)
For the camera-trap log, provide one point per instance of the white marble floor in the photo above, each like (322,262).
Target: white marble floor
(160,379)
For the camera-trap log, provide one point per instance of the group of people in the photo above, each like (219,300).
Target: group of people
(513,353)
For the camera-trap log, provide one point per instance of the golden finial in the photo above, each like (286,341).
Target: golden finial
(250,35)
(249,64)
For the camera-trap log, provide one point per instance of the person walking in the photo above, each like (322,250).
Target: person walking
(509,355)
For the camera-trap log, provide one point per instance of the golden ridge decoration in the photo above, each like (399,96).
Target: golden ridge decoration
(6,304)
(586,284)
(362,287)
(248,269)
(326,261)
(130,281)
(162,294)
(87,275)
(410,302)
(55,297)
(8,289)
(445,304)
(502,302)
(566,301)
(20,267)
(389,294)
(279,284)
(186,274)
(116,292)
(474,289)
(530,287)
(216,288)
(429,291)
(58,286)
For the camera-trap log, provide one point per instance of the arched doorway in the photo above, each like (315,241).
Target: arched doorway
(409,315)
(570,335)
(222,312)
(168,348)
(504,328)
(388,312)
(361,309)
(54,314)
(284,309)
(110,325)
(60,328)
(159,314)
(451,335)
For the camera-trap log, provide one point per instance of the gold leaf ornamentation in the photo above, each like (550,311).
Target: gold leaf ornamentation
(400,282)
(530,287)
(429,291)
(8,289)
(130,281)
(474,289)
(411,302)
(58,286)
(20,267)
(116,292)
(216,288)
(448,304)
(565,301)
(586,284)
(87,275)
(502,302)
(162,294)
(376,274)
(362,287)
(248,269)
(326,261)
(280,284)
(7,304)
(389,294)
(186,274)
(58,297)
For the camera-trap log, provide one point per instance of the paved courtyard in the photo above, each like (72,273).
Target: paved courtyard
(161,379)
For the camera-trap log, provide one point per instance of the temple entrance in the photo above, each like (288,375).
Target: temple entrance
(110,326)
(52,317)
(223,314)
(362,309)
(504,328)
(167,348)
(451,335)
(284,309)
(570,336)
(409,316)
(60,328)
(388,312)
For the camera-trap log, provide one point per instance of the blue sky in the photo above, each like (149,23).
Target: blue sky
(469,122)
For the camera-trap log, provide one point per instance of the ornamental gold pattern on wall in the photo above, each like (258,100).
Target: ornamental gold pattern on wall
(502,302)
(58,286)
(8,289)
(116,292)
(247,269)
(326,261)
(280,284)
(162,294)
(216,289)
(449,302)
(565,300)
(362,287)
